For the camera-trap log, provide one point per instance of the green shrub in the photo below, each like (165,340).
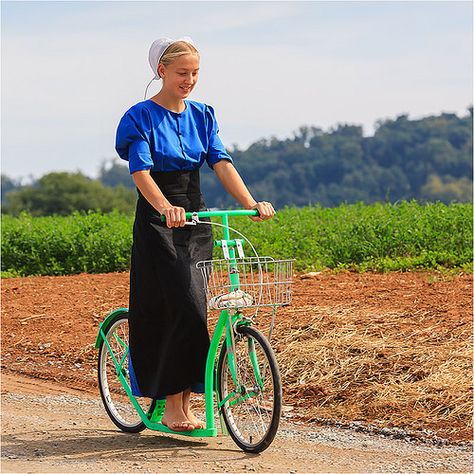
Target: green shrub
(380,237)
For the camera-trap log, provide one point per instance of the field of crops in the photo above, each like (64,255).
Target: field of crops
(380,237)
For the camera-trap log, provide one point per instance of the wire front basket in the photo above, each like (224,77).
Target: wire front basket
(256,281)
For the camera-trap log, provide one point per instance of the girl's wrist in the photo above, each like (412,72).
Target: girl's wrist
(250,204)
(162,205)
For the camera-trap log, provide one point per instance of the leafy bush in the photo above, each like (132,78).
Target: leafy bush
(380,237)
(61,193)
(62,245)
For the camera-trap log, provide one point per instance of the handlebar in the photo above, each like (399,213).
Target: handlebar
(219,213)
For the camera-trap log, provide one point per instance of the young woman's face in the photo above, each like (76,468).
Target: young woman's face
(180,77)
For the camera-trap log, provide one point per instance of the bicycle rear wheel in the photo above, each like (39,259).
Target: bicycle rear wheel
(115,398)
(251,405)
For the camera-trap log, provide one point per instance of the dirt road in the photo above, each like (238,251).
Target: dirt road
(48,428)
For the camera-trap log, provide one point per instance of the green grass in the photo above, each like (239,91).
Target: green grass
(380,237)
(93,243)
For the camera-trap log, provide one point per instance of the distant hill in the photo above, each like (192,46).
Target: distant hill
(428,159)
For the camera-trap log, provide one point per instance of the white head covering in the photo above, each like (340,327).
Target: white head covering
(157,49)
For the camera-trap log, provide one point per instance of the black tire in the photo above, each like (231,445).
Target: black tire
(116,402)
(264,407)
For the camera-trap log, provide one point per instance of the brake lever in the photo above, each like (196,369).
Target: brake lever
(194,219)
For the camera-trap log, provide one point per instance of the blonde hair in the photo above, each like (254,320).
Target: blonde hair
(175,50)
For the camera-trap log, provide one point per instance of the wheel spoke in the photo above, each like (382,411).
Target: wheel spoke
(115,398)
(252,408)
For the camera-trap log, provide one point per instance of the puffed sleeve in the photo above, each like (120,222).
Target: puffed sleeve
(216,150)
(132,140)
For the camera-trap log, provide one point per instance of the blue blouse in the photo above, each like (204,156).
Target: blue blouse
(151,137)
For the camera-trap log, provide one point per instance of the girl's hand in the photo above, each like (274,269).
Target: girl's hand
(175,216)
(265,210)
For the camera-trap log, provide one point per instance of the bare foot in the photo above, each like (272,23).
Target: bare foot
(198,424)
(176,420)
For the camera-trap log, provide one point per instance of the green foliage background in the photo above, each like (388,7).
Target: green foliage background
(427,159)
(379,237)
(60,193)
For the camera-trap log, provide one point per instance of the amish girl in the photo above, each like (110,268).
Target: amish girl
(166,139)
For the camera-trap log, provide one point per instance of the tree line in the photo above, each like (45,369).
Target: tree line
(428,159)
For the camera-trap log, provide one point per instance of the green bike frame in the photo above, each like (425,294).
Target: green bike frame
(226,323)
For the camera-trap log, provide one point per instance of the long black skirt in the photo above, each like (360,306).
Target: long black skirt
(168,335)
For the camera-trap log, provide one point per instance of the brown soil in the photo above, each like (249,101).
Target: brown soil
(49,326)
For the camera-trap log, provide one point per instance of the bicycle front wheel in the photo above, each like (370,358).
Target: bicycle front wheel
(251,398)
(115,398)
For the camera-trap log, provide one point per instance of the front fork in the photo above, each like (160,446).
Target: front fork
(241,392)
(230,335)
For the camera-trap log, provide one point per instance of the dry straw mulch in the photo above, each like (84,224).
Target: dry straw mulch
(404,369)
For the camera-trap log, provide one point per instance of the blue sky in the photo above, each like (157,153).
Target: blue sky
(71,69)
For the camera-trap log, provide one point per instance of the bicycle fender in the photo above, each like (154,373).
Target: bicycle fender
(105,323)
